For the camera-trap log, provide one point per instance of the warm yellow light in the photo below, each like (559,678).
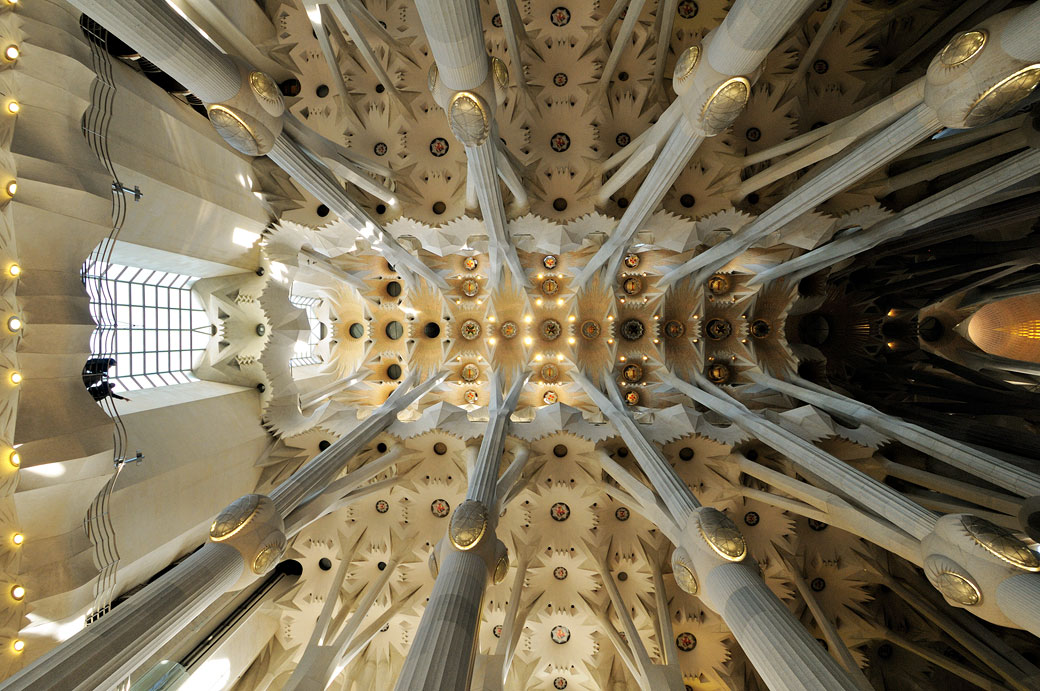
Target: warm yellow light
(658,341)
(610,317)
(11,188)
(527,318)
(610,341)
(571,340)
(13,107)
(559,301)
(11,52)
(570,318)
(528,340)
(17,592)
(538,357)
(656,317)
(491,341)
(622,358)
(16,377)
(491,318)
(14,323)
(541,276)
(17,538)
(892,345)
(19,644)
(15,458)
(559,357)
(14,270)
(538,302)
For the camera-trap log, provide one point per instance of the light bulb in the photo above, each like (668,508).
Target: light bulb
(16,377)
(17,538)
(17,592)
(13,107)
(14,270)
(19,644)
(11,52)
(11,188)
(14,323)
(15,458)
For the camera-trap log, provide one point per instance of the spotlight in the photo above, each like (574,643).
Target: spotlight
(13,107)
(15,458)
(14,270)
(19,644)
(11,188)
(16,378)
(11,52)
(17,592)
(14,323)
(17,538)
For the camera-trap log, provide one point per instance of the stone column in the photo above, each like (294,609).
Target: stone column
(443,649)
(990,468)
(711,562)
(954,198)
(160,34)
(246,540)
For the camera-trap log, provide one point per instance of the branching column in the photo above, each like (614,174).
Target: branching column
(246,540)
(467,85)
(443,649)
(711,562)
(713,82)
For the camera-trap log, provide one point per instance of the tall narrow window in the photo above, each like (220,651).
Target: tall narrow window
(304,352)
(149,321)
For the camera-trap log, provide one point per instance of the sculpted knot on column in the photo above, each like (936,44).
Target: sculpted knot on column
(252,525)
(966,558)
(972,81)
(711,101)
(468,526)
(251,120)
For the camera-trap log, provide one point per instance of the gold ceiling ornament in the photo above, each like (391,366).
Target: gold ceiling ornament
(718,373)
(470,329)
(498,67)
(431,77)
(1000,542)
(1003,96)
(633,285)
(952,581)
(270,551)
(234,517)
(963,47)
(501,562)
(468,117)
(686,63)
(236,130)
(682,569)
(468,524)
(724,104)
(632,373)
(265,88)
(719,284)
(721,534)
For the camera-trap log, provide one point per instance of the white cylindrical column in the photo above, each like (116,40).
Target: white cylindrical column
(1021,38)
(1019,599)
(106,652)
(456,37)
(778,646)
(749,32)
(156,31)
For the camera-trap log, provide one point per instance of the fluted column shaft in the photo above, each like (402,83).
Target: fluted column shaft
(169,41)
(1001,473)
(456,37)
(103,654)
(108,651)
(954,198)
(749,32)
(445,644)
(484,169)
(877,150)
(1019,599)
(1019,38)
(776,643)
(858,486)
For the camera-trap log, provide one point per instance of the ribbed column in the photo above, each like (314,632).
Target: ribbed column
(675,154)
(1019,599)
(990,468)
(291,157)
(441,656)
(749,32)
(484,169)
(954,198)
(319,472)
(778,646)
(157,32)
(857,486)
(105,653)
(1021,38)
(868,156)
(456,37)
